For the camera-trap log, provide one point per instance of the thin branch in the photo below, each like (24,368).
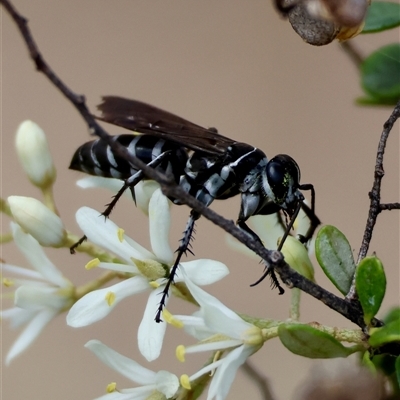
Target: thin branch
(351,50)
(375,194)
(272,259)
(260,379)
(389,206)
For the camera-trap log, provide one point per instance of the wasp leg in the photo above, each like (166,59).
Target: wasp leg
(130,183)
(314,222)
(182,249)
(77,244)
(268,270)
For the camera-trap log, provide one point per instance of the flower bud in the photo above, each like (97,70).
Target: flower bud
(34,154)
(37,220)
(296,256)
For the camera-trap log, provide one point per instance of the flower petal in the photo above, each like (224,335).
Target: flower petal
(124,365)
(104,233)
(36,298)
(167,383)
(160,222)
(150,333)
(94,306)
(226,372)
(34,253)
(135,394)
(194,325)
(143,191)
(15,270)
(17,316)
(89,182)
(30,333)
(204,271)
(216,315)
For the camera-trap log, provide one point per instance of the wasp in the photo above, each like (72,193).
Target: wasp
(204,163)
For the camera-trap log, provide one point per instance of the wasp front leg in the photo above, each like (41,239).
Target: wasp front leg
(241,223)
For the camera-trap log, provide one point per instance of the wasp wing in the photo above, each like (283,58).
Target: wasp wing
(149,120)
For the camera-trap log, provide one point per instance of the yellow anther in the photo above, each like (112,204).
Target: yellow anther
(110,298)
(7,282)
(120,234)
(92,264)
(180,353)
(154,284)
(185,382)
(168,317)
(111,387)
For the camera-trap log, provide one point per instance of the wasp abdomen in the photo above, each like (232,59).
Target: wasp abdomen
(97,158)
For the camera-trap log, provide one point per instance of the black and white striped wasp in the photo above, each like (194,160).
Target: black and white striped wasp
(204,163)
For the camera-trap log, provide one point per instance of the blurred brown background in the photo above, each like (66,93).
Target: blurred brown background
(231,64)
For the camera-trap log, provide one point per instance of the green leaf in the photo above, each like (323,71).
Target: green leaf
(397,364)
(373,101)
(392,315)
(387,334)
(382,15)
(367,362)
(335,257)
(310,342)
(370,286)
(380,74)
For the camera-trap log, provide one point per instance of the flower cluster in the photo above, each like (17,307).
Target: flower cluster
(42,292)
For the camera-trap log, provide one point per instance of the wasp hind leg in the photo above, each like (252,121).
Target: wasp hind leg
(183,248)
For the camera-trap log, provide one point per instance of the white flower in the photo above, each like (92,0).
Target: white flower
(148,268)
(34,154)
(41,295)
(218,328)
(270,230)
(163,382)
(143,190)
(36,219)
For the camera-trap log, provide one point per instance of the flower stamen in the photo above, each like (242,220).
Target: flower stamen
(170,319)
(92,264)
(185,382)
(110,298)
(180,353)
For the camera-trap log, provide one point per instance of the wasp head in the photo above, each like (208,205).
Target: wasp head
(283,181)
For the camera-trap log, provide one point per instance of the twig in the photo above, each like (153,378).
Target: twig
(351,50)
(375,194)
(389,206)
(272,259)
(260,379)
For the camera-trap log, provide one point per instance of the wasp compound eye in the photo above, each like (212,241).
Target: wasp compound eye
(283,173)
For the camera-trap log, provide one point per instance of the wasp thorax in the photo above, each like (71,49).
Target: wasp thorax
(283,176)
